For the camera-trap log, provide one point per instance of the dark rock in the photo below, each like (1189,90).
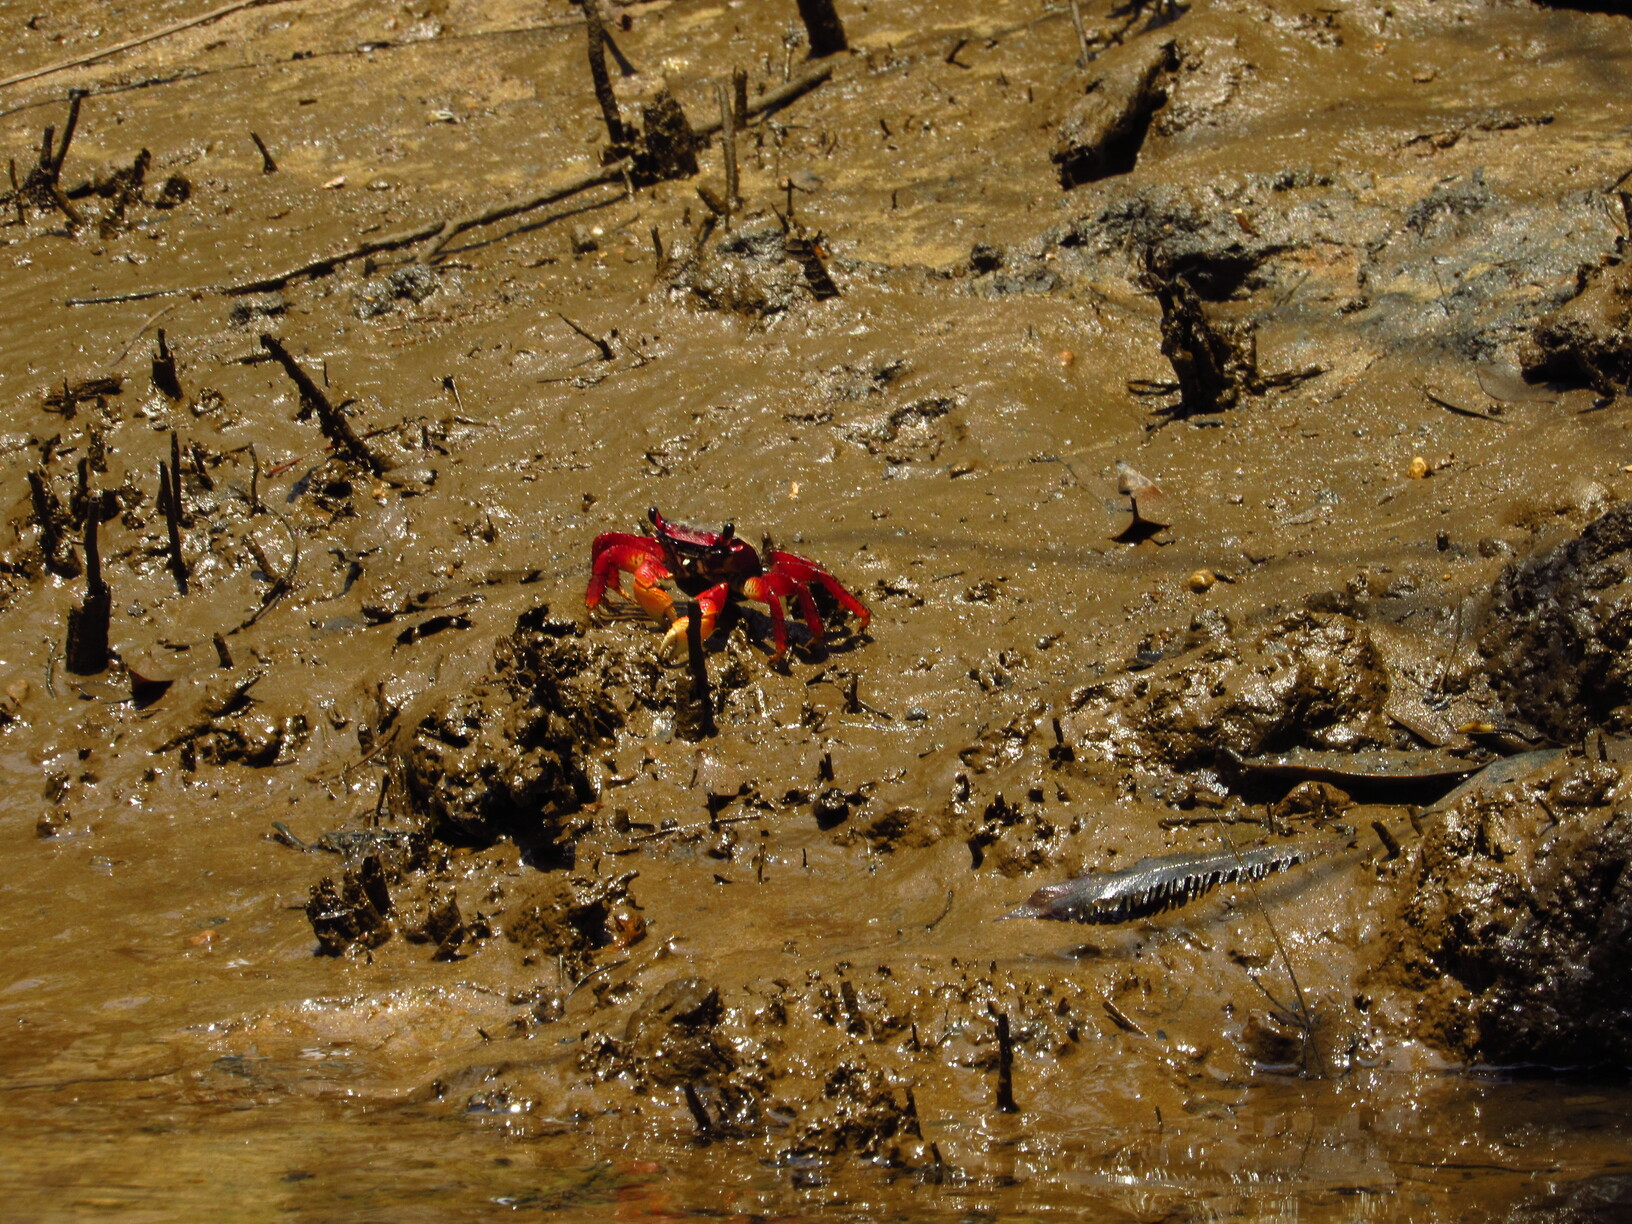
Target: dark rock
(1311,680)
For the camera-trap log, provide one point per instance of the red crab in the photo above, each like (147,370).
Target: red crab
(711,567)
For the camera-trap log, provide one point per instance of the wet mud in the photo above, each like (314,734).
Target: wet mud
(1211,804)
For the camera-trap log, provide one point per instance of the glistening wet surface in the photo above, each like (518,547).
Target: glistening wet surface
(1219,414)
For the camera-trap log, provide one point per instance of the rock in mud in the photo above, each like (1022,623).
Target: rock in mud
(671,1039)
(482,766)
(861,1108)
(410,283)
(1514,924)
(569,919)
(749,272)
(355,911)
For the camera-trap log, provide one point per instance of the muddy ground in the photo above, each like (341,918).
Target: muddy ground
(1220,412)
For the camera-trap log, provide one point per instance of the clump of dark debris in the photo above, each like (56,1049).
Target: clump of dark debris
(1558,633)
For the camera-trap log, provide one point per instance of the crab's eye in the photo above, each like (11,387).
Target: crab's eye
(728,532)
(651,514)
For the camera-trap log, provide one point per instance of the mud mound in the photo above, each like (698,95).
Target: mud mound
(508,758)
(1312,680)
(1558,630)
(1585,340)
(1515,923)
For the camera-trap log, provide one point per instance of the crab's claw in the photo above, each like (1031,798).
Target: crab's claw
(641,558)
(709,605)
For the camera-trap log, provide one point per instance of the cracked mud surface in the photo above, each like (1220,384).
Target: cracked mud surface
(374,876)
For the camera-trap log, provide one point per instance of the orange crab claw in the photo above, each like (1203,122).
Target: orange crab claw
(615,553)
(709,605)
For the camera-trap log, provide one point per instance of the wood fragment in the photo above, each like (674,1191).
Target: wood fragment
(617,135)
(164,370)
(824,28)
(1120,1019)
(268,166)
(282,583)
(739,95)
(1005,1066)
(73,394)
(54,525)
(602,345)
(1458,409)
(728,147)
(336,427)
(87,650)
(1213,361)
(201,471)
(698,720)
(75,97)
(666,148)
(1101,134)
(170,505)
(1084,51)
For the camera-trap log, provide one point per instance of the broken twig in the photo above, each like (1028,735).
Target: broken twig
(336,428)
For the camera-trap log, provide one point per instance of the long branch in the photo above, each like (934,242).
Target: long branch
(78,61)
(442,231)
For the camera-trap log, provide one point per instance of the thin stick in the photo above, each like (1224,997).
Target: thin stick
(131,343)
(336,428)
(175,479)
(1005,1065)
(1306,1020)
(268,166)
(1083,53)
(176,28)
(172,523)
(599,76)
(697,662)
(87,650)
(75,97)
(602,345)
(728,142)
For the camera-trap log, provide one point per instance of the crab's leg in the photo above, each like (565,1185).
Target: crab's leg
(771,589)
(767,590)
(805,572)
(640,557)
(709,605)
